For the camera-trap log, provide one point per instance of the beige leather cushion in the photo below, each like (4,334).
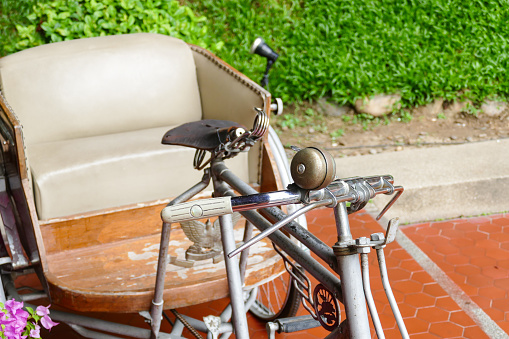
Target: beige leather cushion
(97,86)
(112,170)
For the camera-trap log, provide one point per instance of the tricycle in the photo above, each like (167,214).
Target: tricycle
(86,180)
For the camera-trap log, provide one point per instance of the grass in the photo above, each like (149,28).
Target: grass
(347,50)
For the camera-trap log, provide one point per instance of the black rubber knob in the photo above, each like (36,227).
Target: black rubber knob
(313,168)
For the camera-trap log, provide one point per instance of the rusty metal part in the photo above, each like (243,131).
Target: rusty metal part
(186,324)
(326,308)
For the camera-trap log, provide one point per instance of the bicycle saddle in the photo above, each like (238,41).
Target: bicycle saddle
(204,135)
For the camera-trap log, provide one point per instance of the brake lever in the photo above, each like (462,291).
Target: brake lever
(399,190)
(280,224)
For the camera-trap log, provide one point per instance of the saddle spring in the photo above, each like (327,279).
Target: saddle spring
(239,141)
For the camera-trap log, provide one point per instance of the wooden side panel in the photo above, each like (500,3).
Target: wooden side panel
(271,180)
(95,230)
(18,184)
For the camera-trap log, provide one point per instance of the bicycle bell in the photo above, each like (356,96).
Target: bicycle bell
(313,168)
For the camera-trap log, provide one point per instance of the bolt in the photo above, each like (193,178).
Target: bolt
(301,168)
(239,131)
(377,237)
(362,241)
(196,211)
(363,249)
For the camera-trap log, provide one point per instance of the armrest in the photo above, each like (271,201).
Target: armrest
(227,94)
(16,181)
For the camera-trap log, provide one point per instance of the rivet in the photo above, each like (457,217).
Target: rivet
(196,211)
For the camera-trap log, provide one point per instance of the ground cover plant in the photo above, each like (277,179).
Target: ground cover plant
(344,50)
(422,49)
(60,20)
(12,13)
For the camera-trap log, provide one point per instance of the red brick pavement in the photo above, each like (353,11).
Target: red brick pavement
(473,253)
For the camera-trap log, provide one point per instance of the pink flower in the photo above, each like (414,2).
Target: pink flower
(47,323)
(42,310)
(4,320)
(14,319)
(13,306)
(35,333)
(14,330)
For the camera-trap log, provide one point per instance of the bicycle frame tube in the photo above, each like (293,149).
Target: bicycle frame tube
(260,210)
(233,274)
(274,214)
(342,259)
(315,268)
(350,274)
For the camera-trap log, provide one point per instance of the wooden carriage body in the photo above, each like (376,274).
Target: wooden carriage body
(84,174)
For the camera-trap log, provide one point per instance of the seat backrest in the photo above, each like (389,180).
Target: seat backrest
(101,86)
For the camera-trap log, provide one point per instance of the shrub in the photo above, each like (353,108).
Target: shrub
(66,20)
(422,49)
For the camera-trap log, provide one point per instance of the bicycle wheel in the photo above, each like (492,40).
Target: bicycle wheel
(277,298)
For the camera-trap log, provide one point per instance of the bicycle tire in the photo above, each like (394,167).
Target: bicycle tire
(265,310)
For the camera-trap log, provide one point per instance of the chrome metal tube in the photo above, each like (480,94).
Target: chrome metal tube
(86,333)
(308,239)
(263,200)
(351,279)
(274,214)
(178,327)
(353,296)
(248,234)
(233,277)
(227,312)
(369,297)
(342,223)
(278,225)
(310,264)
(389,294)
(98,324)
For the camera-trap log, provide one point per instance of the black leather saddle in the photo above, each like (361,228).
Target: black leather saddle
(202,134)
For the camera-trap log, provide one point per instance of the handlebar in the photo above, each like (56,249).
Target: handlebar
(357,190)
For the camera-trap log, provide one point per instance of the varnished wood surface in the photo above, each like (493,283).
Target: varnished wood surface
(120,276)
(106,261)
(96,229)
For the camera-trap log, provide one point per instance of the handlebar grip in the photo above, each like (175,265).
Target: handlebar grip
(197,209)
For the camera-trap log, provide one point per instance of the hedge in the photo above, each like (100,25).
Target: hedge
(345,50)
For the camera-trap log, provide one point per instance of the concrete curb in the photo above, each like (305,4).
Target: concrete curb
(442,182)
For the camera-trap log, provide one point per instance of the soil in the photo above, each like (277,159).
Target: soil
(348,135)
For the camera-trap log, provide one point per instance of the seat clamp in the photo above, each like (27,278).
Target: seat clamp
(157,304)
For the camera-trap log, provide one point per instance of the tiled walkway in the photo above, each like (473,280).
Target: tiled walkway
(457,289)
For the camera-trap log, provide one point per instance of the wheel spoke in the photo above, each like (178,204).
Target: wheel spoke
(276,299)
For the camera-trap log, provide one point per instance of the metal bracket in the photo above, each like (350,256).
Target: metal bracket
(376,240)
(213,323)
(271,329)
